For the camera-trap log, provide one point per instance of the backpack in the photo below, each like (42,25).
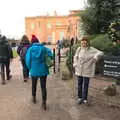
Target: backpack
(4,51)
(23,52)
(48,60)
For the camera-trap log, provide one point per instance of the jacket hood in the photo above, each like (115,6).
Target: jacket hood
(37,50)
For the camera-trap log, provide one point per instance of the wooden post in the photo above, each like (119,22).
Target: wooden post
(59,56)
(71,55)
(54,59)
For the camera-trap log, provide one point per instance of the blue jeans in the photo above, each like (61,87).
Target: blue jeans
(83,84)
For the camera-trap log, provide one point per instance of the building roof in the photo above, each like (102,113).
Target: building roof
(72,13)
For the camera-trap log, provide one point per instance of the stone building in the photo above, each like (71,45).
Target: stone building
(52,28)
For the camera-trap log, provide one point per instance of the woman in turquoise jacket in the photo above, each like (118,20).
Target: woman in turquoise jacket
(35,61)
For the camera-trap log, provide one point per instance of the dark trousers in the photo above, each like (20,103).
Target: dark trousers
(43,87)
(83,84)
(5,64)
(25,69)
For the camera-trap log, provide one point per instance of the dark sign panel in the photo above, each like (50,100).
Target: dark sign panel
(111,66)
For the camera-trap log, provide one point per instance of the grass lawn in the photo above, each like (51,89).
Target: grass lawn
(15,53)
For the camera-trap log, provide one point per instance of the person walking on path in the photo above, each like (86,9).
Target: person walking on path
(85,60)
(21,50)
(35,60)
(6,55)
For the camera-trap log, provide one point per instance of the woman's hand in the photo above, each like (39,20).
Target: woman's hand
(94,60)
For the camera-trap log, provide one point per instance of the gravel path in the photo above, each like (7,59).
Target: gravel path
(16,104)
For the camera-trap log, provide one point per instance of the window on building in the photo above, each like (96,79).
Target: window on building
(53,37)
(40,30)
(39,24)
(58,23)
(61,35)
(49,25)
(49,38)
(32,26)
(69,21)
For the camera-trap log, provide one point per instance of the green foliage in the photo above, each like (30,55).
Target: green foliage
(110,90)
(98,15)
(70,55)
(101,42)
(66,43)
(114,50)
(69,60)
(65,75)
(114,31)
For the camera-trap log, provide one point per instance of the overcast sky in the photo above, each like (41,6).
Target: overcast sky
(13,12)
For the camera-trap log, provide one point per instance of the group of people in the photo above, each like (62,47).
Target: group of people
(32,56)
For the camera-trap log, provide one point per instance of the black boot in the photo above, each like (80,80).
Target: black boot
(9,77)
(3,83)
(44,105)
(3,77)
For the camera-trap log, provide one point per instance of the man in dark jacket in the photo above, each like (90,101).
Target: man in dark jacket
(6,55)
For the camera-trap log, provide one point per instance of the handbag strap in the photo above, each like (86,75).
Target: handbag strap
(78,52)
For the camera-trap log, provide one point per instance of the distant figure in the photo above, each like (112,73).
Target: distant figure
(35,60)
(84,62)
(59,47)
(72,41)
(21,50)
(6,55)
(59,44)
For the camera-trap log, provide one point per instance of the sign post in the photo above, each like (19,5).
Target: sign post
(112,67)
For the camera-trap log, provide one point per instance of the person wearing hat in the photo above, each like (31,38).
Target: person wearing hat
(85,60)
(21,50)
(6,55)
(35,61)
